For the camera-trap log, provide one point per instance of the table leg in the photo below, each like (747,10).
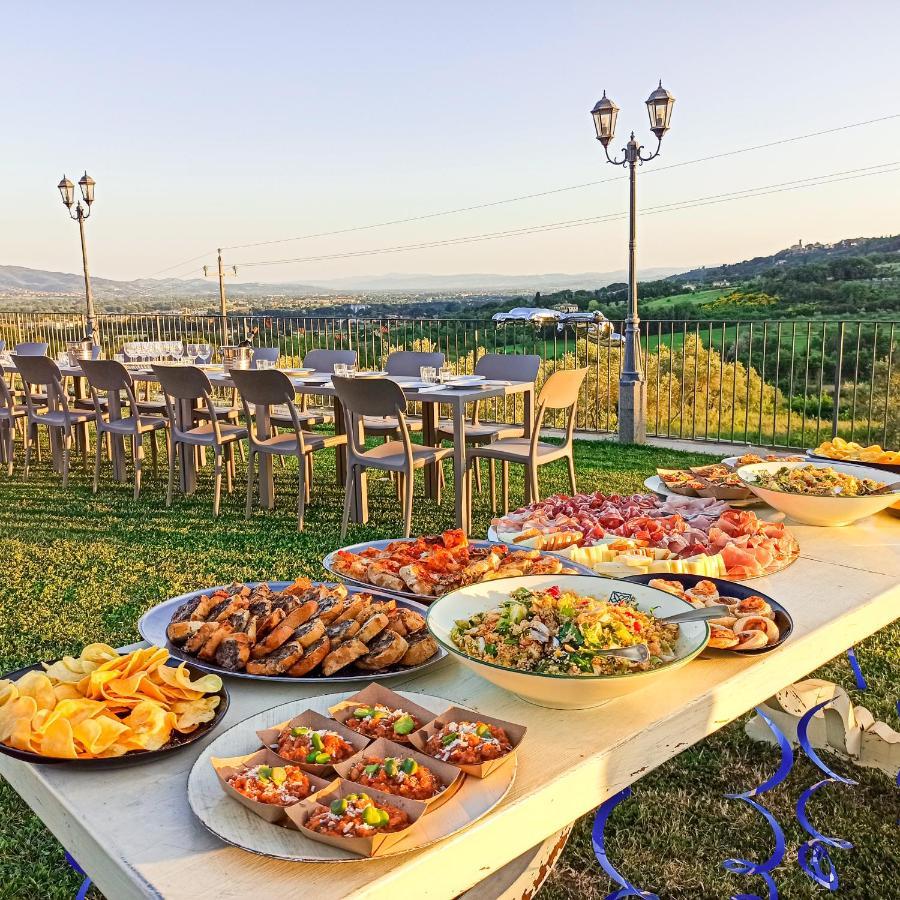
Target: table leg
(184,413)
(528,397)
(429,439)
(265,477)
(460,469)
(116,440)
(82,436)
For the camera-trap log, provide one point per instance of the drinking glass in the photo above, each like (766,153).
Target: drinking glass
(119,358)
(428,374)
(445,375)
(204,352)
(340,369)
(264,364)
(62,358)
(352,369)
(192,353)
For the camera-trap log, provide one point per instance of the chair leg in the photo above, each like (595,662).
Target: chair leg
(504,485)
(37,442)
(98,450)
(532,472)
(492,468)
(85,449)
(27,437)
(440,483)
(217,490)
(307,491)
(250,483)
(348,496)
(302,489)
(11,451)
(478,474)
(229,466)
(66,439)
(137,453)
(173,450)
(571,463)
(409,483)
(154,453)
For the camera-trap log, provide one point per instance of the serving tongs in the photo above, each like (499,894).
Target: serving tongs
(638,653)
(700,614)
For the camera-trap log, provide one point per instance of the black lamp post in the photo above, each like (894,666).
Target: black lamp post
(632,387)
(79,214)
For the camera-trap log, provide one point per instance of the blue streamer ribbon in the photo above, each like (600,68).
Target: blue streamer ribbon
(86,884)
(764,869)
(627,889)
(857,671)
(813,855)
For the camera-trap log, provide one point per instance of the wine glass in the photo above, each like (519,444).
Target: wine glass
(204,352)
(176,350)
(192,353)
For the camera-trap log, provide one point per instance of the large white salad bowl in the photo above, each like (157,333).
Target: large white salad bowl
(563,691)
(828,511)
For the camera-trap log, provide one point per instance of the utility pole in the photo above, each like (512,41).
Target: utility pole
(223,303)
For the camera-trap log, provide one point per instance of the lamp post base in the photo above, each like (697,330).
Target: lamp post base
(633,412)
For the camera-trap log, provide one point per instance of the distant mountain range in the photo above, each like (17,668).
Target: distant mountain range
(20,280)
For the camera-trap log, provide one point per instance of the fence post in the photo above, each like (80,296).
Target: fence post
(20,339)
(838,374)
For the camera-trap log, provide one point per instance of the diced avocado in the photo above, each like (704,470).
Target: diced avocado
(311,757)
(264,773)
(385,817)
(390,767)
(404,725)
(373,816)
(361,712)
(279,774)
(483,730)
(372,769)
(317,742)
(338,807)
(322,759)
(378,714)
(448,739)
(299,731)
(410,766)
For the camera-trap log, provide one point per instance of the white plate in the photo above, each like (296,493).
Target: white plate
(467,380)
(236,825)
(733,460)
(827,511)
(655,484)
(563,691)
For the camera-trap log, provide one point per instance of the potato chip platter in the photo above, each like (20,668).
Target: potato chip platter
(428,567)
(465,798)
(105,709)
(874,455)
(365,636)
(618,536)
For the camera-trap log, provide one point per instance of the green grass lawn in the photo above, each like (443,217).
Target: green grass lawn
(81,568)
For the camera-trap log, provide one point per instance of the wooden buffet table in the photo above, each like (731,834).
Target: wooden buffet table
(133,832)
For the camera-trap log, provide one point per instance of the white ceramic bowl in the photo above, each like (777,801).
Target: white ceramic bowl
(827,511)
(563,691)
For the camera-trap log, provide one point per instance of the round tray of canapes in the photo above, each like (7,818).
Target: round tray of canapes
(621,535)
(103,709)
(341,778)
(424,568)
(754,622)
(302,631)
(571,641)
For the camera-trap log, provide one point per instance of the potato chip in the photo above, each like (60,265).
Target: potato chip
(14,711)
(8,691)
(38,685)
(192,713)
(180,678)
(98,734)
(57,740)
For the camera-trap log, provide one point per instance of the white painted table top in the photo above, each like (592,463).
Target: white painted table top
(133,832)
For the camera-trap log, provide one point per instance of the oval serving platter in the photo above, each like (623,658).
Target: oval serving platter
(236,825)
(135,757)
(328,565)
(153,623)
(782,617)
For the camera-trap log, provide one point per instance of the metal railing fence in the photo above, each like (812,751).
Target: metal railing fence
(784,383)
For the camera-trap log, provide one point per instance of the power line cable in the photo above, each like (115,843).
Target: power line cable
(560,190)
(762,190)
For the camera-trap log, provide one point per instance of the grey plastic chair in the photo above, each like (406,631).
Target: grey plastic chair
(190,384)
(381,397)
(266,389)
(113,378)
(494,367)
(31,348)
(560,391)
(40,371)
(10,413)
(402,363)
(324,360)
(267,354)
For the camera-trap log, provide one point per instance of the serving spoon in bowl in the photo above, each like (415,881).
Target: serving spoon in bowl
(639,653)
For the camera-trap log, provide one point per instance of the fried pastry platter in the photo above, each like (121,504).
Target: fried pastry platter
(302,631)
(425,568)
(339,778)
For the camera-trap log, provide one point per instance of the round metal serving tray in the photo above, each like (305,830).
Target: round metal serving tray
(152,626)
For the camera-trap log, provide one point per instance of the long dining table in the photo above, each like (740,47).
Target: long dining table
(457,399)
(134,833)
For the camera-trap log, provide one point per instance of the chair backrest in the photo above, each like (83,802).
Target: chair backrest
(269,354)
(508,366)
(185,383)
(265,387)
(324,360)
(41,371)
(6,397)
(31,348)
(560,391)
(370,397)
(408,362)
(110,376)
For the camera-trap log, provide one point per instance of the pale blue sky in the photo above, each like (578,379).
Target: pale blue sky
(223,123)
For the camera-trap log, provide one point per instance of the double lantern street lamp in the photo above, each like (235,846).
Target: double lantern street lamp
(79,214)
(632,387)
